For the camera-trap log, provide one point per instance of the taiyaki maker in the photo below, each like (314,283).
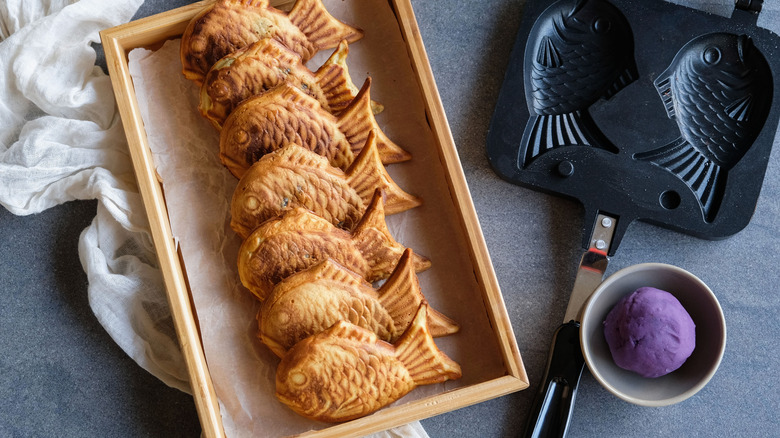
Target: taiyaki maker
(641,111)
(663,113)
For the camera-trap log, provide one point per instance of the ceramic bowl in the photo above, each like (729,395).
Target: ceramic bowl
(698,369)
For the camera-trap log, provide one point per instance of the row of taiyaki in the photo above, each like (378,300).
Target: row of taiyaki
(310,205)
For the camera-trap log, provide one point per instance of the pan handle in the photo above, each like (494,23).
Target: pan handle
(553,405)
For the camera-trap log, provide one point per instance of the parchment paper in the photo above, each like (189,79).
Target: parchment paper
(198,190)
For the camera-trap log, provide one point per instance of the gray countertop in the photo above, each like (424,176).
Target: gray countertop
(61,375)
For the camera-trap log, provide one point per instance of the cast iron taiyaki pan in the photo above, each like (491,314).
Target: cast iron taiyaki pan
(643,110)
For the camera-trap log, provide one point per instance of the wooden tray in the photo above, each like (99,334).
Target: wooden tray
(150,33)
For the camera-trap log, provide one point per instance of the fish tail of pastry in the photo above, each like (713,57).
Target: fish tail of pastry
(550,131)
(319,26)
(401,296)
(367,173)
(703,176)
(334,80)
(357,120)
(374,241)
(420,355)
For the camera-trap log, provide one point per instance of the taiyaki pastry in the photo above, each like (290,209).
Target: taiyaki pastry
(265,64)
(312,300)
(579,51)
(346,372)
(716,91)
(285,114)
(299,239)
(229,25)
(296,177)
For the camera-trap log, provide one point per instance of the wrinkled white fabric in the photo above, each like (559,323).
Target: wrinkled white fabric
(61,139)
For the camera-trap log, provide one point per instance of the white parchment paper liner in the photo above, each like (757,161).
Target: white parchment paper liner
(198,190)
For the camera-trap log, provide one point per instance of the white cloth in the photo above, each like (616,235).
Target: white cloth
(61,139)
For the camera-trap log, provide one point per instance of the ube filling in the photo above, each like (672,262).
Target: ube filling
(649,332)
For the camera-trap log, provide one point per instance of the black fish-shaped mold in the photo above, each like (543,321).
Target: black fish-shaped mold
(578,52)
(718,89)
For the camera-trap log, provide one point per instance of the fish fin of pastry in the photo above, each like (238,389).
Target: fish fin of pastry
(301,219)
(334,80)
(420,355)
(627,76)
(319,26)
(401,296)
(357,120)
(550,131)
(703,176)
(347,330)
(366,174)
(664,87)
(376,243)
(332,270)
(274,49)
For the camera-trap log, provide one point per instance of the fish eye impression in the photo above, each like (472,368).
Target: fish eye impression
(711,55)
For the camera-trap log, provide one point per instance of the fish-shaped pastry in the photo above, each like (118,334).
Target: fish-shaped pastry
(264,65)
(346,372)
(285,114)
(312,300)
(299,239)
(226,26)
(294,176)
(579,51)
(718,89)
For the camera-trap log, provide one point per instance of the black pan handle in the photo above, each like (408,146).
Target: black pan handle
(553,405)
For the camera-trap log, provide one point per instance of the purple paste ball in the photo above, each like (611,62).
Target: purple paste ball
(649,332)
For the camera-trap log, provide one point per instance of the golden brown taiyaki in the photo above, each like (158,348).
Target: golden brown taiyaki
(296,177)
(346,372)
(285,114)
(299,239)
(312,300)
(228,25)
(265,64)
